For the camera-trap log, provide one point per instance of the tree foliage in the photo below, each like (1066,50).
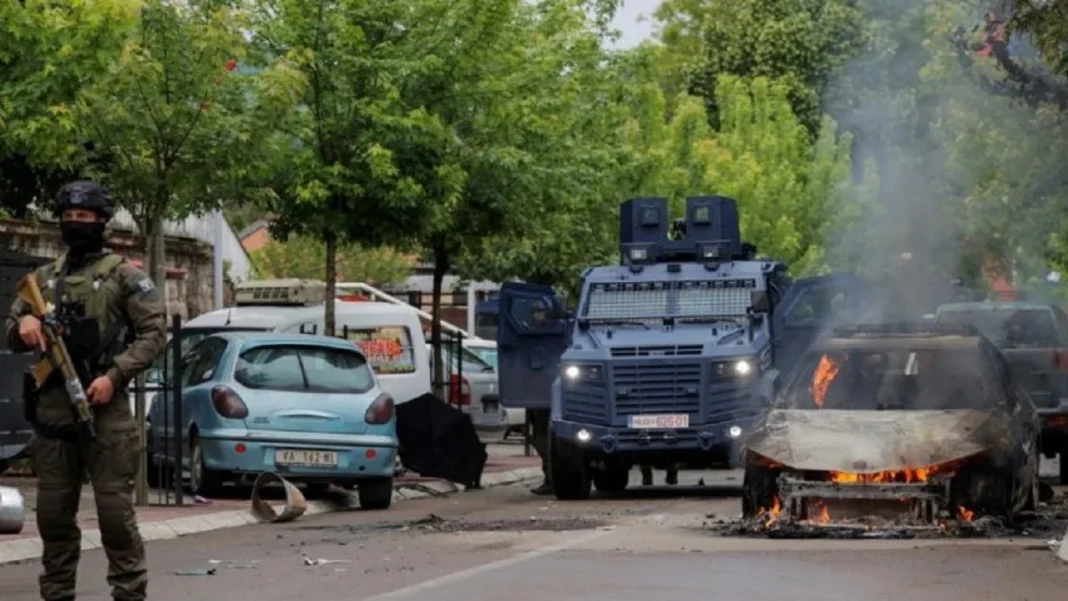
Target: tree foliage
(176,123)
(801,43)
(305,257)
(49,52)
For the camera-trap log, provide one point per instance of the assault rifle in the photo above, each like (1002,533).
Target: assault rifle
(56,356)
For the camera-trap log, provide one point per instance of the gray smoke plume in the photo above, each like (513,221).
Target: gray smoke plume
(920,222)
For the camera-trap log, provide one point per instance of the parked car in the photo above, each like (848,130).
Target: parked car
(487,351)
(308,407)
(1034,339)
(473,388)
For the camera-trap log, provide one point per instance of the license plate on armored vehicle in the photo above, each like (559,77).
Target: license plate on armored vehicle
(653,422)
(305,457)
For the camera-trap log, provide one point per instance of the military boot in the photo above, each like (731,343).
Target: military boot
(545,488)
(672,477)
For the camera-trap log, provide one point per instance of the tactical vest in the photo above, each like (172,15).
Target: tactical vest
(92,290)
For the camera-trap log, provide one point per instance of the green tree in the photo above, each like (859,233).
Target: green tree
(179,126)
(305,257)
(336,176)
(49,51)
(789,191)
(800,42)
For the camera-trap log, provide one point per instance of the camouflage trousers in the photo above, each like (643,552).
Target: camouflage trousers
(112,461)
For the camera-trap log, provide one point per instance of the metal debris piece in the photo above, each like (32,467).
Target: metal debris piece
(201,572)
(308,561)
(12,510)
(294,507)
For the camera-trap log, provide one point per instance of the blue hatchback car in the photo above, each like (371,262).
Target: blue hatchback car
(307,407)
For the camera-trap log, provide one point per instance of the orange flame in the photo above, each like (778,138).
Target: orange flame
(824,515)
(907,475)
(826,371)
(965,514)
(771,515)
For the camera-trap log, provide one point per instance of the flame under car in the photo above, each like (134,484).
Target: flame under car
(916,426)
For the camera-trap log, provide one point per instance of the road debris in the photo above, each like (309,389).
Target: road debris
(199,572)
(12,510)
(308,561)
(436,523)
(1049,520)
(234,564)
(294,507)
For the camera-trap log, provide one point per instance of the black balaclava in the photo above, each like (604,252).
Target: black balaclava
(83,238)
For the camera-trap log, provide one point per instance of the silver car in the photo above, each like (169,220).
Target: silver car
(474,389)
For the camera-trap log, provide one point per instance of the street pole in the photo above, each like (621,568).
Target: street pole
(218,222)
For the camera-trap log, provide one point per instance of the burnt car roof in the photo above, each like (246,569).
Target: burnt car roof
(891,336)
(898,342)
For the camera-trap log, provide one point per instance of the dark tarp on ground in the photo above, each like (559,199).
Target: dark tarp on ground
(438,440)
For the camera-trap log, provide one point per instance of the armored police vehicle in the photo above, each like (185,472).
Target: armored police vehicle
(669,357)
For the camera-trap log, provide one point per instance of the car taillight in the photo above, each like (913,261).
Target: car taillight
(380,411)
(228,403)
(459,389)
(1060,359)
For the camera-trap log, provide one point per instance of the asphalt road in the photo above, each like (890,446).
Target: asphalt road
(507,543)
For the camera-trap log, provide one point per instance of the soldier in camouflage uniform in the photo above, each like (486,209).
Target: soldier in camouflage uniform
(114,328)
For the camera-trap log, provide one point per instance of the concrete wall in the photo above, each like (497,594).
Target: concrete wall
(188,269)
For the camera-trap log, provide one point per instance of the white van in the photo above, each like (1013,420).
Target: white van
(390,335)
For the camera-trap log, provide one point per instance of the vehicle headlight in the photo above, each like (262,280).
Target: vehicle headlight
(743,367)
(735,431)
(580,373)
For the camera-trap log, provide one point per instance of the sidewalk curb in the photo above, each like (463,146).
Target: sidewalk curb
(30,548)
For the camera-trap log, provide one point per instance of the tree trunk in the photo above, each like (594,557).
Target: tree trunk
(329,320)
(441,267)
(155,255)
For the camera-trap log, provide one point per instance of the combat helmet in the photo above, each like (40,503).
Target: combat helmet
(84,194)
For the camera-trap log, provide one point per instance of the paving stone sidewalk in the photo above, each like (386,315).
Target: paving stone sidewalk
(170,521)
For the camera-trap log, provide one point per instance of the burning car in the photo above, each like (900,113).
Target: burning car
(924,423)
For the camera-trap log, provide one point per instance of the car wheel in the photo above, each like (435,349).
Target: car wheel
(612,479)
(203,481)
(570,475)
(375,494)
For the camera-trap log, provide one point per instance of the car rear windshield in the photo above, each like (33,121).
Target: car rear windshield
(1009,328)
(304,368)
(900,379)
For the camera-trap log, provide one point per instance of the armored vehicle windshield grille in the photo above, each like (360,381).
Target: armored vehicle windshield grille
(657,351)
(697,298)
(657,388)
(627,301)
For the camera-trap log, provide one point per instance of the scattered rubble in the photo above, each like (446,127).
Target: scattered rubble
(1048,522)
(435,523)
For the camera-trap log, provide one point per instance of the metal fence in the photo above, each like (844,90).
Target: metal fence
(157,397)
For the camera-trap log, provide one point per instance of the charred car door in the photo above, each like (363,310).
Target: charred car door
(810,307)
(532,334)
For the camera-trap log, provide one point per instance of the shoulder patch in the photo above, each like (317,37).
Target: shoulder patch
(142,286)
